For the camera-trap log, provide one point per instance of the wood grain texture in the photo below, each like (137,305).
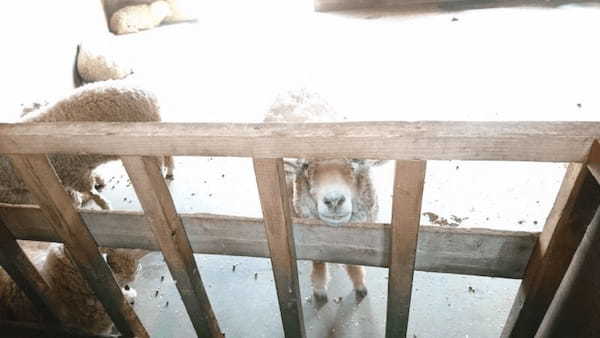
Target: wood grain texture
(481,252)
(25,275)
(276,208)
(146,175)
(409,180)
(575,309)
(535,141)
(575,204)
(57,209)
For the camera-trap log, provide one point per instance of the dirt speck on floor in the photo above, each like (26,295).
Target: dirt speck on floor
(442,221)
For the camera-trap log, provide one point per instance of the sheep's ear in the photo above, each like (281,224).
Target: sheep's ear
(294,167)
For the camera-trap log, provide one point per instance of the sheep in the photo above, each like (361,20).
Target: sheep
(109,101)
(132,19)
(97,62)
(79,306)
(334,191)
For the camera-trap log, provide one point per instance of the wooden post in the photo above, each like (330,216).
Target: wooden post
(57,207)
(408,193)
(577,200)
(270,178)
(159,210)
(575,310)
(25,275)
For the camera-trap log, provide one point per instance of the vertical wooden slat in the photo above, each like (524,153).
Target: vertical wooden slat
(57,207)
(575,204)
(575,309)
(159,210)
(26,276)
(275,204)
(406,213)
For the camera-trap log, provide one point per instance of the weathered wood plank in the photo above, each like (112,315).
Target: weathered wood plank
(575,309)
(481,252)
(343,5)
(277,214)
(409,180)
(146,175)
(12,329)
(575,204)
(535,141)
(25,275)
(57,209)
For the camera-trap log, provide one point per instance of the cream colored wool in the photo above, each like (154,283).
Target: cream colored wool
(132,19)
(80,307)
(97,62)
(108,101)
(300,105)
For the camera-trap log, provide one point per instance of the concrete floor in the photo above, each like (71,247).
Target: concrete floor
(245,302)
(491,64)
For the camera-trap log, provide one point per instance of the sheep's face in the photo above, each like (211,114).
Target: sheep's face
(124,263)
(331,185)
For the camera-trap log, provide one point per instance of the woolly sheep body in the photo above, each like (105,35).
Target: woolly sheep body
(132,19)
(97,63)
(79,306)
(109,101)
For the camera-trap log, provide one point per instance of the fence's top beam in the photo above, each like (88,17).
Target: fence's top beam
(503,141)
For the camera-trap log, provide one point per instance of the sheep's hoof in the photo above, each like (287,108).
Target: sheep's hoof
(320,295)
(361,292)
(169,177)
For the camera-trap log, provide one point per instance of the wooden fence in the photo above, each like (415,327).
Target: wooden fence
(540,259)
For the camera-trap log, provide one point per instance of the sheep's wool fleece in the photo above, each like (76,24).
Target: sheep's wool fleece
(108,101)
(132,19)
(181,10)
(96,62)
(299,106)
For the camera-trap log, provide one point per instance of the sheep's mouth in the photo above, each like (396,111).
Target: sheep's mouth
(336,219)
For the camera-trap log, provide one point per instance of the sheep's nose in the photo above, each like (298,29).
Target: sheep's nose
(332,200)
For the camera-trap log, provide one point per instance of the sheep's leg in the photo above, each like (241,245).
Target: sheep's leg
(101,202)
(170,165)
(319,281)
(357,276)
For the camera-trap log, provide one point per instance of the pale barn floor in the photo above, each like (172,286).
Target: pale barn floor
(490,64)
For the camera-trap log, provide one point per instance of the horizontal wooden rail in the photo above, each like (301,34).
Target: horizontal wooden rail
(449,250)
(501,141)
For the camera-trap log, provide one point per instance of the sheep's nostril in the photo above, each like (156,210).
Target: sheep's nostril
(334,200)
